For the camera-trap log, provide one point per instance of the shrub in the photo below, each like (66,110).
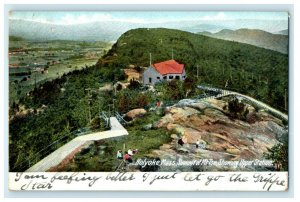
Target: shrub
(237,109)
(279,155)
(134,84)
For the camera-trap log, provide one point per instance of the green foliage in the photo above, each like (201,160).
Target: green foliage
(144,141)
(257,72)
(175,89)
(279,155)
(66,111)
(190,85)
(134,85)
(130,99)
(112,74)
(240,67)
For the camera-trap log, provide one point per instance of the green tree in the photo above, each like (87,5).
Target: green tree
(279,155)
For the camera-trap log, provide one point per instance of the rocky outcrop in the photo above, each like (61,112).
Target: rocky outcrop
(132,114)
(222,137)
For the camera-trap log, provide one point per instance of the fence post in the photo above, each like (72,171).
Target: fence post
(123,148)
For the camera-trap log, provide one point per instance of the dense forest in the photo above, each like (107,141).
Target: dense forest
(68,100)
(72,101)
(258,72)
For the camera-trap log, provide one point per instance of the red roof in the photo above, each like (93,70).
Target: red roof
(169,67)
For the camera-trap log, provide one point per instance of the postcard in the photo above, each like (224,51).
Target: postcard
(148,100)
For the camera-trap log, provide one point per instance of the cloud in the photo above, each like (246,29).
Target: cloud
(218,16)
(71,19)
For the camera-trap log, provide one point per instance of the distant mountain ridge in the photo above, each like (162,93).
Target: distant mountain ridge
(256,37)
(112,30)
(283,32)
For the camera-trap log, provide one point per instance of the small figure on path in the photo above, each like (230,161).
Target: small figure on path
(127,157)
(130,152)
(119,154)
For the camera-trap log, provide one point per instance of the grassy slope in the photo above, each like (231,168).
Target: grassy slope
(144,141)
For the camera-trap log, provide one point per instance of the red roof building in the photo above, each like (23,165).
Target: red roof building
(167,70)
(169,67)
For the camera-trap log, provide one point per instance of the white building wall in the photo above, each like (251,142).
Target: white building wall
(153,74)
(157,77)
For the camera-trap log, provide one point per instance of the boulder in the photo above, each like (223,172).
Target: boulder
(135,113)
(185,102)
(200,106)
(191,135)
(165,121)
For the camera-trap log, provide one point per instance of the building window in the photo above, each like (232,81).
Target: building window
(150,80)
(165,77)
(177,77)
(158,78)
(171,77)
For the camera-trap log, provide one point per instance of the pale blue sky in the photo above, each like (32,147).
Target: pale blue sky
(144,17)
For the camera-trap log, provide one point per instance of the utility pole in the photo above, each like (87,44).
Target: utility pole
(285,99)
(172,54)
(124,148)
(150,60)
(90,116)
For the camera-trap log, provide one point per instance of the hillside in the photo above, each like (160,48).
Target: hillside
(233,65)
(58,109)
(277,42)
(283,32)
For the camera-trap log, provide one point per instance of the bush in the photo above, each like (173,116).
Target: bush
(279,155)
(134,84)
(171,90)
(131,99)
(237,109)
(189,85)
